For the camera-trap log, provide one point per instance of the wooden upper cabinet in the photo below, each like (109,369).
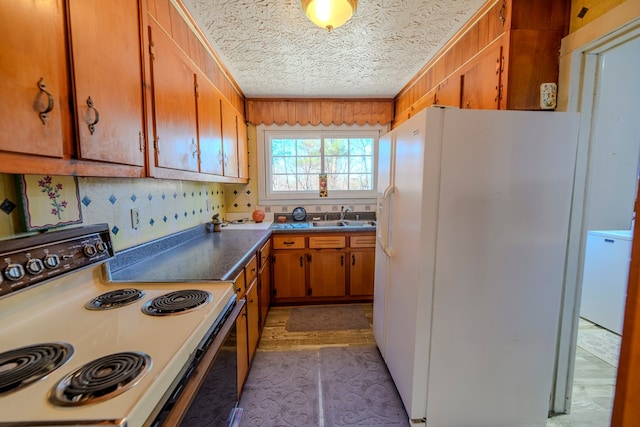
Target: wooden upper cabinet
(243,149)
(209,127)
(174,104)
(480,82)
(229,141)
(107,78)
(32,88)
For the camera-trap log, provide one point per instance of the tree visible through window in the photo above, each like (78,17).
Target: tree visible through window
(297,162)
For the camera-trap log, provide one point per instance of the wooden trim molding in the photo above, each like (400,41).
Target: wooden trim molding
(319,111)
(626,404)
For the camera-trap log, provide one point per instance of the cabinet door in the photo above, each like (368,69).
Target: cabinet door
(327,274)
(106,52)
(265,282)
(253,318)
(229,141)
(361,273)
(243,149)
(243,348)
(33,67)
(209,127)
(480,83)
(288,275)
(174,104)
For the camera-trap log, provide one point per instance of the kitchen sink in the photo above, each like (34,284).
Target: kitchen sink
(358,223)
(328,223)
(343,223)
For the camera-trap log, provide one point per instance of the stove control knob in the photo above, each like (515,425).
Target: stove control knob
(51,261)
(14,272)
(34,266)
(89,250)
(101,247)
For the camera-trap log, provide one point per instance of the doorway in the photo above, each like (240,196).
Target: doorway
(606,175)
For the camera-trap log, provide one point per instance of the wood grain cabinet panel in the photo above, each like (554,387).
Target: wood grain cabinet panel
(229,141)
(209,127)
(107,61)
(242,345)
(264,282)
(327,273)
(253,318)
(32,39)
(361,272)
(289,269)
(480,83)
(243,149)
(174,104)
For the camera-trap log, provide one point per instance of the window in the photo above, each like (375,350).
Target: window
(294,160)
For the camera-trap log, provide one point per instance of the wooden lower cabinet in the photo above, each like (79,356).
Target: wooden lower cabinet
(327,273)
(323,267)
(361,272)
(253,318)
(264,282)
(289,270)
(243,349)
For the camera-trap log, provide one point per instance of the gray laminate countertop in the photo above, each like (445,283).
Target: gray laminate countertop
(195,255)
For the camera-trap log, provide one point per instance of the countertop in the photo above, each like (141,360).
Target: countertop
(193,256)
(198,255)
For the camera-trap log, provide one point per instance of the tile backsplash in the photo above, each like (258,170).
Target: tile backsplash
(164,206)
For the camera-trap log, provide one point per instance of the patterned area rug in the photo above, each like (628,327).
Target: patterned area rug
(357,389)
(327,318)
(335,386)
(599,342)
(281,390)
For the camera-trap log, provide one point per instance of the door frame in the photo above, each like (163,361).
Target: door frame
(577,83)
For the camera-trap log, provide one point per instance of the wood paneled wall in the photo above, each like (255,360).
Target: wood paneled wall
(481,30)
(319,111)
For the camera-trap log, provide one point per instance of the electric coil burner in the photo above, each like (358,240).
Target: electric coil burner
(176,302)
(115,299)
(77,349)
(23,366)
(101,379)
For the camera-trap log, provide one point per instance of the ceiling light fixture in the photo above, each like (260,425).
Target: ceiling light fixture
(329,14)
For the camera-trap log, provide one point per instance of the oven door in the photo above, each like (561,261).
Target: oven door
(207,394)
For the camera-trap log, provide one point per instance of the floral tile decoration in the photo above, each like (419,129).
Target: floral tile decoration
(49,201)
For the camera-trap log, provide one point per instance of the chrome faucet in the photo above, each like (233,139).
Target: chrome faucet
(343,211)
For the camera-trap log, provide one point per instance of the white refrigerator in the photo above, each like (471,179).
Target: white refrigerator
(473,220)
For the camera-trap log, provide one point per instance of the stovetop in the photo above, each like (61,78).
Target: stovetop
(53,311)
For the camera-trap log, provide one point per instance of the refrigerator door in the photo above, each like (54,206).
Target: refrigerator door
(504,205)
(413,224)
(381,277)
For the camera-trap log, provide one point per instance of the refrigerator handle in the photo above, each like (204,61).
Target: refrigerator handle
(384,235)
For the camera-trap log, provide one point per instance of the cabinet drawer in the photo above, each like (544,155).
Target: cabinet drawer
(240,285)
(265,251)
(288,242)
(362,241)
(251,270)
(331,242)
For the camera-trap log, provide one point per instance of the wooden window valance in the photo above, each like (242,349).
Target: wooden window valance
(319,111)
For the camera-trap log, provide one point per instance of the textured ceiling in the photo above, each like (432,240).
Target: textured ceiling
(273,50)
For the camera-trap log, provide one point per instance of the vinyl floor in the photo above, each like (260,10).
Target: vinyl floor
(594,378)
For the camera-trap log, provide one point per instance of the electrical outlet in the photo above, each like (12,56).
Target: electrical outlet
(135,218)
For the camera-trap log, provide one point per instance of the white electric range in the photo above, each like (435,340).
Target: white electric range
(67,357)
